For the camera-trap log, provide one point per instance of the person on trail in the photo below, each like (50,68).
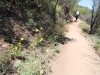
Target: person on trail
(77,15)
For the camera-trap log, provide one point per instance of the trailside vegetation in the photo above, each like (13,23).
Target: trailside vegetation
(30,31)
(95,18)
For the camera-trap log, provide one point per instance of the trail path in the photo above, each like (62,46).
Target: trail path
(77,57)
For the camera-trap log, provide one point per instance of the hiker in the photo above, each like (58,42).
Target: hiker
(77,15)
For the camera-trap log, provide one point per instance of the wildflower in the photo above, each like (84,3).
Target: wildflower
(36,30)
(19,43)
(16,48)
(47,51)
(32,44)
(21,39)
(41,39)
(41,28)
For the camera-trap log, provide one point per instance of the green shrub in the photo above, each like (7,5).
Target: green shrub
(3,59)
(14,52)
(84,27)
(30,22)
(97,32)
(31,67)
(58,8)
(96,42)
(36,63)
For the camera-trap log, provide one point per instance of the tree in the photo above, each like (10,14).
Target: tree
(95,18)
(71,3)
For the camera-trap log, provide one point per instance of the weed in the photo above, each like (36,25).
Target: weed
(30,22)
(96,42)
(14,51)
(31,67)
(35,63)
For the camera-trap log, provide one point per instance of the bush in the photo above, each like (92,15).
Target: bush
(58,8)
(30,23)
(84,27)
(33,66)
(36,62)
(96,42)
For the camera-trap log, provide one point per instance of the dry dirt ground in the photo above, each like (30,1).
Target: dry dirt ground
(77,57)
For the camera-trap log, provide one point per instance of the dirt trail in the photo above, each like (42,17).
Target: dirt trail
(77,57)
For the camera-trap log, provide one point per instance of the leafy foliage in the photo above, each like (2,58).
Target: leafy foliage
(84,27)
(38,22)
(31,67)
(30,22)
(36,63)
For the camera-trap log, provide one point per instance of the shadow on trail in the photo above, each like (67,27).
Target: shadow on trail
(64,40)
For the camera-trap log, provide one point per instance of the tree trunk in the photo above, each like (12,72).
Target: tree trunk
(54,12)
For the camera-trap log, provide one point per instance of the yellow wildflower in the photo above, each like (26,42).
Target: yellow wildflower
(41,28)
(41,39)
(36,30)
(21,39)
(47,51)
(32,44)
(16,48)
(19,43)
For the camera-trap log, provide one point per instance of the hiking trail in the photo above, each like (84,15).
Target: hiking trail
(77,57)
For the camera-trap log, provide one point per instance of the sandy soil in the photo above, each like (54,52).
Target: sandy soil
(77,57)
